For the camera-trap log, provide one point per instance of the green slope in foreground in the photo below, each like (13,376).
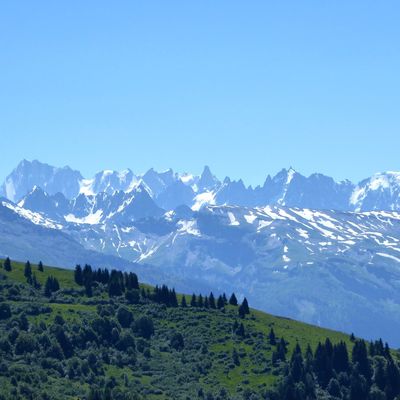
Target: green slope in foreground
(212,361)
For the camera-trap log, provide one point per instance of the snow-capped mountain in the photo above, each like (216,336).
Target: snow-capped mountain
(51,179)
(381,191)
(169,189)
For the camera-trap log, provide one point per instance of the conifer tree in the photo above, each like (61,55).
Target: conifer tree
(40,266)
(51,286)
(233,300)
(240,331)
(7,264)
(272,337)
(360,356)
(245,306)
(220,302)
(183,302)
(211,301)
(200,301)
(28,270)
(206,302)
(193,301)
(78,275)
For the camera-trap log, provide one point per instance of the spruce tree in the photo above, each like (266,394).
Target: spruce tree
(40,266)
(240,331)
(220,302)
(183,302)
(78,275)
(272,337)
(193,301)
(245,306)
(28,270)
(51,286)
(200,301)
(360,356)
(233,300)
(211,301)
(7,264)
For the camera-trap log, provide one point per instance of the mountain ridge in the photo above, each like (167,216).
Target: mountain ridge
(170,189)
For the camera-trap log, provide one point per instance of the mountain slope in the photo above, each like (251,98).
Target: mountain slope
(334,269)
(149,366)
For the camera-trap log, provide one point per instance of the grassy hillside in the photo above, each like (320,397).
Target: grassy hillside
(194,352)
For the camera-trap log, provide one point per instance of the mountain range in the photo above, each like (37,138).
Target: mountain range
(309,248)
(169,190)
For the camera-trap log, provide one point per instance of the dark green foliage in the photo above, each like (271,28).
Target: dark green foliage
(25,343)
(28,270)
(193,301)
(166,296)
(183,302)
(5,311)
(125,317)
(235,357)
(40,267)
(233,300)
(116,284)
(244,309)
(51,286)
(144,327)
(211,301)
(78,276)
(141,345)
(7,264)
(272,337)
(177,341)
(132,296)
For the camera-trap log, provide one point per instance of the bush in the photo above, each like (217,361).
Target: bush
(25,343)
(125,317)
(144,327)
(5,311)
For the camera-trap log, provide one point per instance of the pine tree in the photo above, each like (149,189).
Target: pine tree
(233,300)
(360,356)
(240,331)
(272,337)
(51,286)
(40,266)
(183,302)
(35,282)
(211,301)
(78,275)
(241,312)
(340,358)
(193,301)
(220,302)
(200,301)
(7,264)
(28,270)
(206,302)
(245,306)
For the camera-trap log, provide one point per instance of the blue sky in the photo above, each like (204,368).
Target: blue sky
(245,87)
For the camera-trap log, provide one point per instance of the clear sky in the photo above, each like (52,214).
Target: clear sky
(247,87)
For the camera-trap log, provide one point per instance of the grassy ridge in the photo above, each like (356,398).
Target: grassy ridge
(205,363)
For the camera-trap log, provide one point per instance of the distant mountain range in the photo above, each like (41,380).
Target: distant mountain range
(168,190)
(310,248)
